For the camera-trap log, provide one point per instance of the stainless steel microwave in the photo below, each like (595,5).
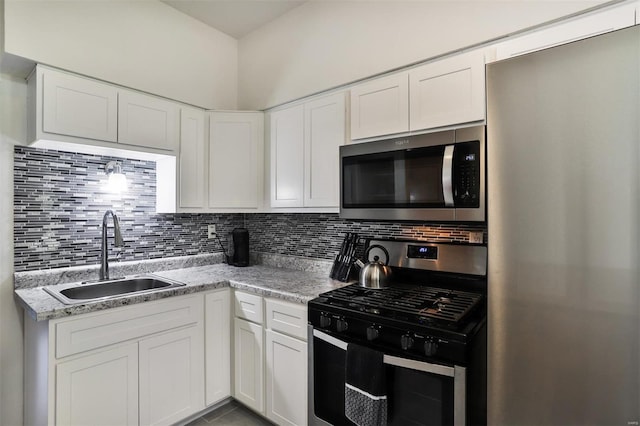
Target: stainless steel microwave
(437,177)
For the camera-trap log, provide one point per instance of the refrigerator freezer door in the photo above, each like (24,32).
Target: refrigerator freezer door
(563,152)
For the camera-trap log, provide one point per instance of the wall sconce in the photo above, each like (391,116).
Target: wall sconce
(117,180)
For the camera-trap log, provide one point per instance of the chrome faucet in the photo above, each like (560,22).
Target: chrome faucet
(117,237)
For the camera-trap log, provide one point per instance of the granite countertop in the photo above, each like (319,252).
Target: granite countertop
(293,285)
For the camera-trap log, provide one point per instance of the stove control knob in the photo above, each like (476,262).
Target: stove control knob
(325,321)
(430,347)
(372,333)
(341,325)
(406,342)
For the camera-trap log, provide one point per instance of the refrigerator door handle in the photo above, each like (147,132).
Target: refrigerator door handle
(447,175)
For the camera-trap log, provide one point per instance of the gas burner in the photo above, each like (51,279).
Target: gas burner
(406,299)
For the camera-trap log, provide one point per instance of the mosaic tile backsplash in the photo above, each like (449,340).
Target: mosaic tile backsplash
(320,235)
(59,201)
(60,198)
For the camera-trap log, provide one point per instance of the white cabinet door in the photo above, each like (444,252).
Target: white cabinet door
(79,107)
(217,338)
(446,92)
(249,376)
(236,149)
(98,389)
(193,160)
(324,125)
(380,107)
(286,360)
(287,159)
(171,376)
(148,121)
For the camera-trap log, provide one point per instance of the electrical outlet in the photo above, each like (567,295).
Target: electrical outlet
(476,237)
(211,231)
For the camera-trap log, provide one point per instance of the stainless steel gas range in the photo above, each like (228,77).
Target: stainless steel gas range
(429,326)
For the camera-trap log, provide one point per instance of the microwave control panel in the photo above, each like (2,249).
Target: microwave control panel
(466,174)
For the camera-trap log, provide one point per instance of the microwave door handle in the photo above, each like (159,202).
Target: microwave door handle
(447,175)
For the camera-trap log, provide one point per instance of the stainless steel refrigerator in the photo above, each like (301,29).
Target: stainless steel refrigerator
(563,166)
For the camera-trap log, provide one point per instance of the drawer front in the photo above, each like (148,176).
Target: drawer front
(287,318)
(91,331)
(248,306)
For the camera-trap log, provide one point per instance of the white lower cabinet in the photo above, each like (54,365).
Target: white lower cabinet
(98,389)
(140,364)
(270,355)
(158,363)
(217,326)
(249,374)
(286,371)
(171,376)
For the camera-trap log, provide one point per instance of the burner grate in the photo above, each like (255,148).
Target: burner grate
(431,302)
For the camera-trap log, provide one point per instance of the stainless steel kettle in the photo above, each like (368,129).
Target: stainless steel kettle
(375,274)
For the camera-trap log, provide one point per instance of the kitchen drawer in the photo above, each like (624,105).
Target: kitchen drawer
(287,318)
(86,332)
(248,306)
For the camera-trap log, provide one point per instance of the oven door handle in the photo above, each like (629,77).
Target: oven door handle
(458,373)
(447,175)
(441,370)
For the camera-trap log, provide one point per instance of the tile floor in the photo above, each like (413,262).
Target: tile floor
(231,414)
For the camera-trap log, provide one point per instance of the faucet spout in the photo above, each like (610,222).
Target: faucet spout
(118,242)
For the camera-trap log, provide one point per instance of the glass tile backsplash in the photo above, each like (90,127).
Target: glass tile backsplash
(60,198)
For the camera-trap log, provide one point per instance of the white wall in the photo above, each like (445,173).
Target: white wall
(320,45)
(13,124)
(146,45)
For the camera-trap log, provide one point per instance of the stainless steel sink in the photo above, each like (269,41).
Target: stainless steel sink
(94,291)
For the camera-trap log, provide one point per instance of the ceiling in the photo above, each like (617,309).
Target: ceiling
(236,18)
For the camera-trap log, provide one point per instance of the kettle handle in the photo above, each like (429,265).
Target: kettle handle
(384,250)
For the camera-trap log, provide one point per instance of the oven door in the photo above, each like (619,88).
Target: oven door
(419,393)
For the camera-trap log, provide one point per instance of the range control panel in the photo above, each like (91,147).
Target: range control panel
(422,252)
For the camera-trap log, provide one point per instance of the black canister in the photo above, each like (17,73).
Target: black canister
(239,256)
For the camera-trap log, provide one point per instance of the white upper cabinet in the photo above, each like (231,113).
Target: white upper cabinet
(441,93)
(380,107)
(67,111)
(448,91)
(590,25)
(79,107)
(304,153)
(236,152)
(287,156)
(145,120)
(324,132)
(193,161)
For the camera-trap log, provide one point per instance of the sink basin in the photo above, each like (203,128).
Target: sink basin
(90,292)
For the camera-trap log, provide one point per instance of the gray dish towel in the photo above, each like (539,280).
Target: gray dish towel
(365,399)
